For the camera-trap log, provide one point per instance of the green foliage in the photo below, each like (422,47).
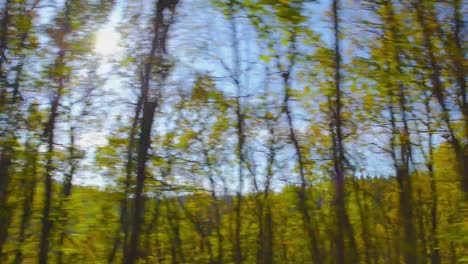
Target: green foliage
(401,110)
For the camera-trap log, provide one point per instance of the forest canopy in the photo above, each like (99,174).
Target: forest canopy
(233,131)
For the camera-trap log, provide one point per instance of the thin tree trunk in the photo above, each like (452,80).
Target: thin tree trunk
(219,235)
(123,218)
(5,163)
(29,190)
(49,169)
(6,151)
(144,144)
(150,99)
(458,59)
(49,133)
(174,225)
(366,237)
(149,231)
(265,229)
(402,163)
(268,253)
(5,23)
(309,224)
(260,232)
(238,258)
(438,91)
(435,250)
(422,230)
(66,192)
(344,225)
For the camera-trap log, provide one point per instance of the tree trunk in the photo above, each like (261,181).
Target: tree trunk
(309,224)
(217,212)
(344,225)
(29,190)
(49,134)
(5,163)
(435,250)
(150,99)
(6,151)
(144,144)
(402,162)
(49,169)
(438,91)
(238,258)
(66,192)
(124,203)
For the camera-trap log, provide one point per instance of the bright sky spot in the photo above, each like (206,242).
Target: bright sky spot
(107,42)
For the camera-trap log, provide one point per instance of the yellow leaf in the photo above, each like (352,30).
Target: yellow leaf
(380,229)
(264,58)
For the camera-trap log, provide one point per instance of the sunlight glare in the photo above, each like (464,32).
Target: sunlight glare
(107,42)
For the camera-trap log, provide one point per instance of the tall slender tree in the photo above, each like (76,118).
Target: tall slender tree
(156,67)
(344,228)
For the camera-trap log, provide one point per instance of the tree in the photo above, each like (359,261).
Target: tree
(65,37)
(150,99)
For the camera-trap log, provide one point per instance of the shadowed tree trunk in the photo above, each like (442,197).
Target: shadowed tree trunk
(9,105)
(438,88)
(345,231)
(61,78)
(5,163)
(124,223)
(66,193)
(429,157)
(401,152)
(150,99)
(238,258)
(308,221)
(217,211)
(29,190)
(49,168)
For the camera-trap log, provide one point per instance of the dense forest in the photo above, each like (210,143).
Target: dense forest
(233,131)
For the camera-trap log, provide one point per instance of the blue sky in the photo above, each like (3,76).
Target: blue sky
(199,26)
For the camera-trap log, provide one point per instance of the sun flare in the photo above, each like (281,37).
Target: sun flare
(107,42)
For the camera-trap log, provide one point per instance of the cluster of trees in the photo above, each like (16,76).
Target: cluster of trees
(243,131)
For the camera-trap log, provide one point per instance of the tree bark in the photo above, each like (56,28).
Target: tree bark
(438,90)
(402,162)
(150,99)
(66,192)
(124,203)
(144,144)
(49,134)
(308,221)
(344,226)
(29,190)
(238,258)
